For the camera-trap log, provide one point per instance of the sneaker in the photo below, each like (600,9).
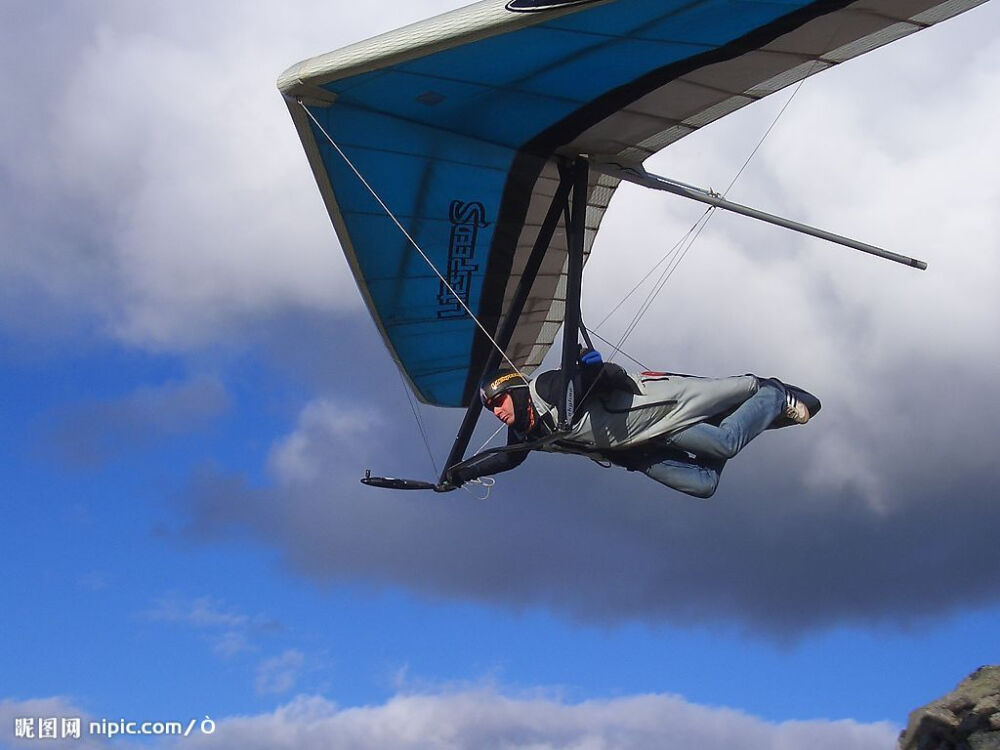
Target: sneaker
(795,409)
(800,406)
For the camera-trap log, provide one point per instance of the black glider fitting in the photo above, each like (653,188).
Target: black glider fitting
(393,483)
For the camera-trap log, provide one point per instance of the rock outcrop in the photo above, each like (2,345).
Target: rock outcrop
(968,718)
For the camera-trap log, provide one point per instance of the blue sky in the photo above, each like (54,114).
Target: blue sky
(191,390)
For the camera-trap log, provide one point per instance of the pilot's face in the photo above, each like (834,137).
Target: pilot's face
(503,409)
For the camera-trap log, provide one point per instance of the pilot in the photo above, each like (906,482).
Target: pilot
(677,429)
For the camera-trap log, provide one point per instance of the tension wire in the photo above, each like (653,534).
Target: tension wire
(412,241)
(420,422)
(675,255)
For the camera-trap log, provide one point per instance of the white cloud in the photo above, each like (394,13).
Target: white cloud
(203,612)
(485,718)
(479,717)
(162,187)
(229,643)
(895,149)
(160,184)
(229,632)
(35,710)
(166,188)
(325,429)
(279,674)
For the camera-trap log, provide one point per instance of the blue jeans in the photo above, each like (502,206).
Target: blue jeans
(712,446)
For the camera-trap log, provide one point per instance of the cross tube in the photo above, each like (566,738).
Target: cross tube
(640,176)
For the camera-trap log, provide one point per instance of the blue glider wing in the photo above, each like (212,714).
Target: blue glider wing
(457,123)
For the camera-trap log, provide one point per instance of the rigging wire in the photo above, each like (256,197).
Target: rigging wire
(490,439)
(673,257)
(625,354)
(667,273)
(437,273)
(412,241)
(420,422)
(665,258)
(678,252)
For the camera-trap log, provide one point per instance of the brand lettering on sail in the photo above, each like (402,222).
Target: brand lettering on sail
(466,221)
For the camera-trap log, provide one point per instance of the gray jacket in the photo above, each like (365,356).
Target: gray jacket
(662,405)
(611,424)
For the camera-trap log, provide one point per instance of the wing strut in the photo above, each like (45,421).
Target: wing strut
(640,176)
(557,208)
(578,172)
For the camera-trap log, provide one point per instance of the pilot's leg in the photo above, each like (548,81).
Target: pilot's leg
(750,419)
(697,477)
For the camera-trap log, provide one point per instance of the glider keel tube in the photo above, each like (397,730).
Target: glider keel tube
(640,176)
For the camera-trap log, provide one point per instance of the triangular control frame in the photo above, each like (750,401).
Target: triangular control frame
(569,201)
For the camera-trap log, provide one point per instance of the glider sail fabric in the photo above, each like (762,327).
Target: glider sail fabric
(458,123)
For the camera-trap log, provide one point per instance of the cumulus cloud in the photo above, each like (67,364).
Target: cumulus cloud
(484,717)
(154,182)
(479,717)
(775,549)
(862,516)
(159,187)
(324,428)
(812,527)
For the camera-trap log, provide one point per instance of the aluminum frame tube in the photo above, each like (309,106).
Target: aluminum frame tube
(509,323)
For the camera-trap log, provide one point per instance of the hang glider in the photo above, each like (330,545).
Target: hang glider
(473,136)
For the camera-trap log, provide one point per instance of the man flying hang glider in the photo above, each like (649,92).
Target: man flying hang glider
(423,147)
(677,429)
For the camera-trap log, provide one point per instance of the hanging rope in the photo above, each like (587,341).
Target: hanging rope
(485,482)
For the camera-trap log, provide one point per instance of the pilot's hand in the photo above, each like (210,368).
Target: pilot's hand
(450,482)
(591,357)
